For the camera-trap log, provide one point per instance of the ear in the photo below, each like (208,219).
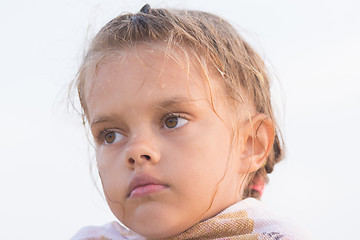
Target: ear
(257,137)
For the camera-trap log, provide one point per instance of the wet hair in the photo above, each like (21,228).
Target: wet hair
(214,42)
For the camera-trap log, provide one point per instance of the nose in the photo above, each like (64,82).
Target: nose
(141,151)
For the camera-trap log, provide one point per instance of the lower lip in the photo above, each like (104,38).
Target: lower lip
(146,190)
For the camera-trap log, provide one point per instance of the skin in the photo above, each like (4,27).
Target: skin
(200,168)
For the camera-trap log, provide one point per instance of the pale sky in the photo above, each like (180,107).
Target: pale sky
(312,47)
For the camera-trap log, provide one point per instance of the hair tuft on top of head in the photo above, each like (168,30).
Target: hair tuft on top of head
(145,9)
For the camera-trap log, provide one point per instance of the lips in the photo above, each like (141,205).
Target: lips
(142,185)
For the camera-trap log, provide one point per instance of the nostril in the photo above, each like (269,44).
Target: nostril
(132,161)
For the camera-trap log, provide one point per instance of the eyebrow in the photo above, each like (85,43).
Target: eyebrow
(175,101)
(164,105)
(101,119)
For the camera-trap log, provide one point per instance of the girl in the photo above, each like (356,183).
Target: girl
(179,107)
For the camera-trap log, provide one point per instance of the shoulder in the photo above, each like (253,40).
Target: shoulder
(110,231)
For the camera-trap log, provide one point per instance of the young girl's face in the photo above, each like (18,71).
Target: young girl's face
(164,155)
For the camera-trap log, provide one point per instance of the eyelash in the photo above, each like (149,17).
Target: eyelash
(101,135)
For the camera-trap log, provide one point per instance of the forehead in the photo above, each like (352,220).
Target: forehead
(151,73)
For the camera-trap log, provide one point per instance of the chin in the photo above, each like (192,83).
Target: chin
(156,229)
(155,223)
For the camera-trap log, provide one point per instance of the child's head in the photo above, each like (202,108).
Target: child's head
(179,107)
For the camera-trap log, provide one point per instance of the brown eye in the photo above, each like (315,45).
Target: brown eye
(171,122)
(113,137)
(110,137)
(174,121)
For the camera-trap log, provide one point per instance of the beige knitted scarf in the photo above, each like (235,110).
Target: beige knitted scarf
(246,220)
(235,225)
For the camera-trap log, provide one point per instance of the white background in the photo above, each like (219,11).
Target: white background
(313,48)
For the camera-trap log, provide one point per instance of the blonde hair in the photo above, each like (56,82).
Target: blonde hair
(210,38)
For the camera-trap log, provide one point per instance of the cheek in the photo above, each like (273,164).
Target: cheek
(200,159)
(113,180)
(112,174)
